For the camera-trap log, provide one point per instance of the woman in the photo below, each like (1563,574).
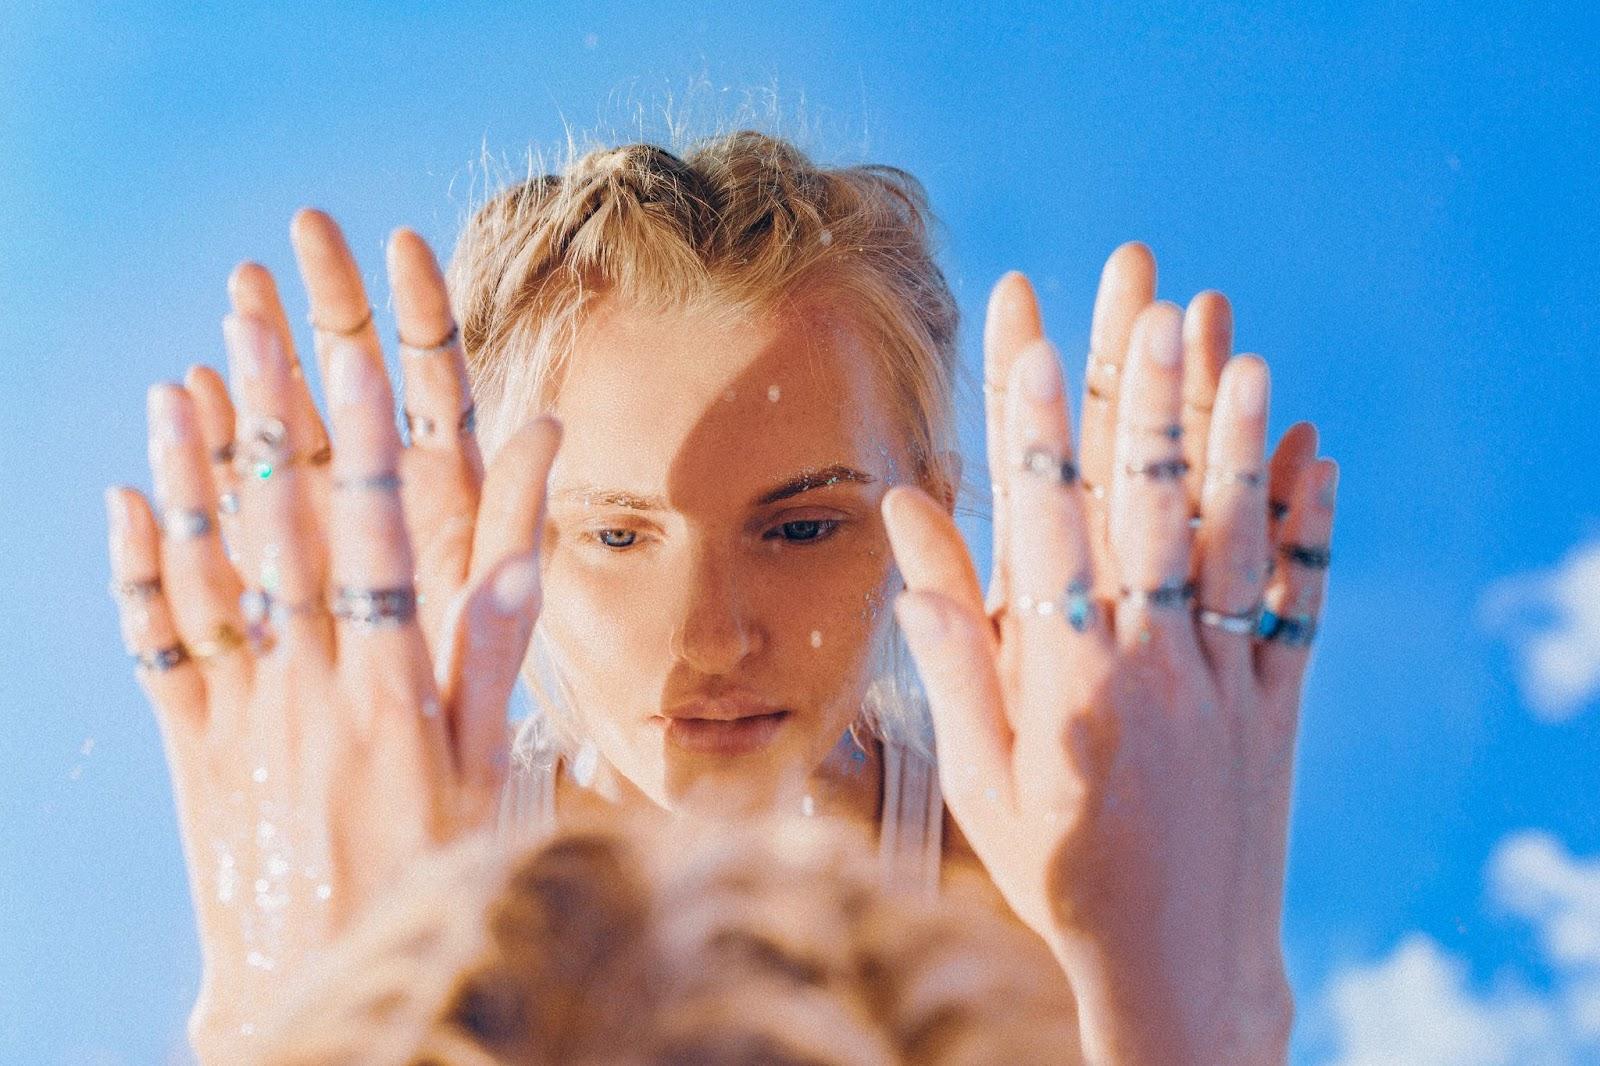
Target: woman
(751,361)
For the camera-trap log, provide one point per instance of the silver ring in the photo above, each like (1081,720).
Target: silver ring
(258,606)
(162,659)
(185,523)
(140,589)
(451,342)
(1240,623)
(1248,478)
(1292,631)
(1160,470)
(421,427)
(375,606)
(1164,597)
(386,482)
(1038,460)
(1170,431)
(349,331)
(1310,556)
(1074,605)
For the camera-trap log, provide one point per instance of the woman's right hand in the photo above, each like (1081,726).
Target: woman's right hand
(316,751)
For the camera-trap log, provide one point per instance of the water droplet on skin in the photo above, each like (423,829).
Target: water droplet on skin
(816,638)
(259,961)
(808,807)
(773,392)
(259,775)
(324,891)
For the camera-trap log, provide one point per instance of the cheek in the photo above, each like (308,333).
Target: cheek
(598,626)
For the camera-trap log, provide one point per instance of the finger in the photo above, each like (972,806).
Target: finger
(1232,539)
(940,614)
(1298,585)
(254,294)
(1207,344)
(214,411)
(1127,285)
(1012,324)
(340,308)
(382,655)
(202,589)
(1294,453)
(511,515)
(278,527)
(1060,635)
(1150,532)
(483,643)
(952,649)
(443,468)
(168,676)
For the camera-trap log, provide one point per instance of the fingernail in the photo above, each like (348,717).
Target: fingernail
(1041,371)
(1250,395)
(1164,344)
(514,586)
(352,377)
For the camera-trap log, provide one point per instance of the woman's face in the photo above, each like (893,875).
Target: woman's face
(716,568)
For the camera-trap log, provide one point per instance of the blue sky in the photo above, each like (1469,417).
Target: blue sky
(1403,208)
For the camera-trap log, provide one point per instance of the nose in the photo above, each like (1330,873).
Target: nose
(715,631)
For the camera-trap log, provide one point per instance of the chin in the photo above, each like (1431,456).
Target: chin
(723,780)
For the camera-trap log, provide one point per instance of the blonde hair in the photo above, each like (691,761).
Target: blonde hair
(742,222)
(771,943)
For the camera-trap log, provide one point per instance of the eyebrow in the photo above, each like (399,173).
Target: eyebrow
(804,481)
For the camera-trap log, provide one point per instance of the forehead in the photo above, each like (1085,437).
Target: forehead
(695,401)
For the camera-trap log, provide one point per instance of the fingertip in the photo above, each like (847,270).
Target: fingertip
(1209,314)
(1132,254)
(1012,316)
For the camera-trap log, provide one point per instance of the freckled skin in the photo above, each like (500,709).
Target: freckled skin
(713,593)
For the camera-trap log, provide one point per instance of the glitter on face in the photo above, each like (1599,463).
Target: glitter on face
(816,638)
(773,392)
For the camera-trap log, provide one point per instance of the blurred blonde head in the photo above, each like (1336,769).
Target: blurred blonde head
(775,943)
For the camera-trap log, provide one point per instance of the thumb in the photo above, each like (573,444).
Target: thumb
(482,646)
(955,661)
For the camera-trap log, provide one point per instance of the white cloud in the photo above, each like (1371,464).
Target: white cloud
(1418,1007)
(1552,619)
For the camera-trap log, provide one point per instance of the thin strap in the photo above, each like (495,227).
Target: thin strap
(911,838)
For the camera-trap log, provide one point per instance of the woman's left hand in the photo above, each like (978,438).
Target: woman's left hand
(1116,728)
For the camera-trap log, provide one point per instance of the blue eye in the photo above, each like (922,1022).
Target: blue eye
(810,529)
(628,533)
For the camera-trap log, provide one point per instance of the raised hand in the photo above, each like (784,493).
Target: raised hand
(1116,727)
(322,738)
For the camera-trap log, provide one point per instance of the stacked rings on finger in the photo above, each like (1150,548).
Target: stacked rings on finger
(1160,470)
(1292,631)
(1248,478)
(1042,461)
(161,660)
(375,606)
(385,482)
(185,523)
(1074,605)
(422,426)
(1167,596)
(1310,556)
(1239,623)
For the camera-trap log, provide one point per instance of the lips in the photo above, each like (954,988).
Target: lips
(722,727)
